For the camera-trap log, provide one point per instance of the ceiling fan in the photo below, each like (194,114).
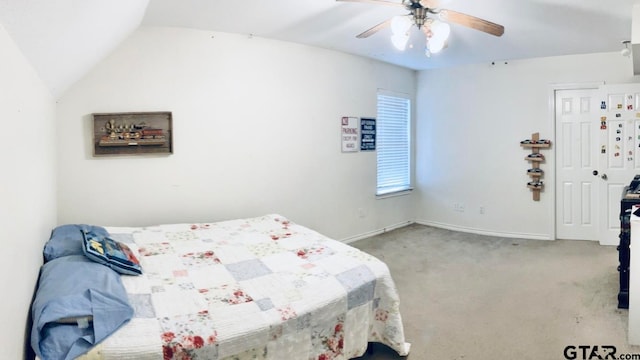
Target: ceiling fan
(435,27)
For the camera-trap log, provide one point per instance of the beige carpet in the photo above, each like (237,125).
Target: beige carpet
(466,296)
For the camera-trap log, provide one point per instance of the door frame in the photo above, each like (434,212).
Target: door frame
(553,88)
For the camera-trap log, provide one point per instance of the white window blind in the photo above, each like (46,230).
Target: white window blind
(393,143)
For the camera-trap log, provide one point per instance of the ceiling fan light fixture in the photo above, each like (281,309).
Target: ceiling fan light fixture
(400,41)
(437,36)
(435,47)
(428,17)
(626,52)
(440,31)
(400,24)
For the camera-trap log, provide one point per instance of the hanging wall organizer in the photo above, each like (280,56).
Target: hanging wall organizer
(535,158)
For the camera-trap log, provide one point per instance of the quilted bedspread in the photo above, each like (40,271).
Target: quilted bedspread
(259,288)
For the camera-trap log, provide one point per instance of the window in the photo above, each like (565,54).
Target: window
(393,143)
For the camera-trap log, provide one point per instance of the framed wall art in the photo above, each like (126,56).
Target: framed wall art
(135,133)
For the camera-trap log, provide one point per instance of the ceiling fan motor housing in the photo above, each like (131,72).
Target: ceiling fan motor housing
(419,16)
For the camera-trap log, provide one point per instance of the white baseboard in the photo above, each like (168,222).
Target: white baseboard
(606,243)
(369,234)
(484,232)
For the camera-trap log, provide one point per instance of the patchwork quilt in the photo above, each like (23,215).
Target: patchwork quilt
(259,288)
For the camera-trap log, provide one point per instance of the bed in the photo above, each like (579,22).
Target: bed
(257,288)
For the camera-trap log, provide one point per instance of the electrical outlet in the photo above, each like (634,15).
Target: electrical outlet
(459,207)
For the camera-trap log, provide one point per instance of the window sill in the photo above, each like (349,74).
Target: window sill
(394,193)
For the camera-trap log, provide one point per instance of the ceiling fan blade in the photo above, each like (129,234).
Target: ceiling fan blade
(373,30)
(379,2)
(471,22)
(429,4)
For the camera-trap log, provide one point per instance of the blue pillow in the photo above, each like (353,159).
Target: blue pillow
(67,240)
(107,251)
(74,287)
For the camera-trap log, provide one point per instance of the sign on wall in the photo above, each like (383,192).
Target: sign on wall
(349,134)
(367,134)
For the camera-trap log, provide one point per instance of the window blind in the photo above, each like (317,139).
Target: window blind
(393,144)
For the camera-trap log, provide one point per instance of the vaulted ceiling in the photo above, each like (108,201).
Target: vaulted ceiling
(64,39)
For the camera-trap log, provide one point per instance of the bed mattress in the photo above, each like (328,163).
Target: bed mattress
(258,288)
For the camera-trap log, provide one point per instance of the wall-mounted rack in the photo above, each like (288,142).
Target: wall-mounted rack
(535,158)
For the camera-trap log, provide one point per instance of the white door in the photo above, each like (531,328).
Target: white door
(619,159)
(576,161)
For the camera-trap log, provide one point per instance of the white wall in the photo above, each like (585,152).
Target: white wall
(256,130)
(470,121)
(27,189)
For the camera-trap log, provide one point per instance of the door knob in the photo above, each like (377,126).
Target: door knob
(604,177)
(595,172)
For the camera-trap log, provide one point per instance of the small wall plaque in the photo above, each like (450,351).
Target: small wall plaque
(367,134)
(349,134)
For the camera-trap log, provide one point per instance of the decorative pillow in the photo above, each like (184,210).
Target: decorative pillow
(67,240)
(78,303)
(109,252)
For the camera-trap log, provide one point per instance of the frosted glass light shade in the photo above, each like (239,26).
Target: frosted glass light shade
(400,41)
(439,34)
(400,24)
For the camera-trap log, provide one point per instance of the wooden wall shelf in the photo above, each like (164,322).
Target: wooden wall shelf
(140,142)
(535,158)
(535,145)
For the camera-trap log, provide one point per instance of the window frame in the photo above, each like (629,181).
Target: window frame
(405,186)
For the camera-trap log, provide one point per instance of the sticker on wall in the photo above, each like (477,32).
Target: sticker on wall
(603,105)
(629,102)
(603,149)
(603,123)
(349,134)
